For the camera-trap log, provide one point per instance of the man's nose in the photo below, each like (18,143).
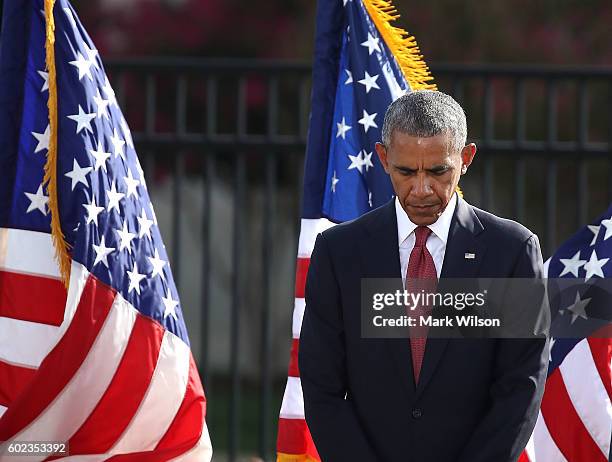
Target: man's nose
(422,186)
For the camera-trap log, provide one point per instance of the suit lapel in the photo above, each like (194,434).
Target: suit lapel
(379,249)
(380,259)
(462,240)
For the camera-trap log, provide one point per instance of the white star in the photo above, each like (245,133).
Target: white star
(83,120)
(368,121)
(126,238)
(113,198)
(608,225)
(110,93)
(335,181)
(157,264)
(101,105)
(367,160)
(349,79)
(100,156)
(38,200)
(572,265)
(131,184)
(135,278)
(45,76)
(356,162)
(118,145)
(102,252)
(369,81)
(127,134)
(342,129)
(144,224)
(93,211)
(43,139)
(363,159)
(594,266)
(92,54)
(83,65)
(371,43)
(595,230)
(345,2)
(78,174)
(170,305)
(578,308)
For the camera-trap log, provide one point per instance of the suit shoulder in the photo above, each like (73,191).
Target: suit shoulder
(509,229)
(349,230)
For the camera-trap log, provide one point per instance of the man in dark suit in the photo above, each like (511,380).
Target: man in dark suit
(434,399)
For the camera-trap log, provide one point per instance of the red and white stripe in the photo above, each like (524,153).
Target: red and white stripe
(87,368)
(294,438)
(575,421)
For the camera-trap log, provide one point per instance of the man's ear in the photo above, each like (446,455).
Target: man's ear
(467,156)
(381,150)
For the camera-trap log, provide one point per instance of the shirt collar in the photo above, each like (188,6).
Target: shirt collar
(441,227)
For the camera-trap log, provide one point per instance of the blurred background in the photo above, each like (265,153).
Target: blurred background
(216,93)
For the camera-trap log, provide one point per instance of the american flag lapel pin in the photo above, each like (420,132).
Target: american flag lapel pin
(470,256)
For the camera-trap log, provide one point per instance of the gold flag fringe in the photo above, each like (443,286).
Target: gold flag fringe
(281,457)
(402,45)
(50,180)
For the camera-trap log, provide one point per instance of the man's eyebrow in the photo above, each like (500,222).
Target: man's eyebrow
(404,169)
(434,169)
(439,168)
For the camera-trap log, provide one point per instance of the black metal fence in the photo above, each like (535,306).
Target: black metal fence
(207,130)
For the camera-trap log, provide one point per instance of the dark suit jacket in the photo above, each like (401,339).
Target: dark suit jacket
(476,399)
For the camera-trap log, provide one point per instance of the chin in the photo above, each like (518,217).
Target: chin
(424,220)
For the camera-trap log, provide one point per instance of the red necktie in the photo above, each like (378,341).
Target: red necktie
(420,266)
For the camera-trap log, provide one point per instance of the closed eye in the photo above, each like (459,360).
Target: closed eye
(438,171)
(405,171)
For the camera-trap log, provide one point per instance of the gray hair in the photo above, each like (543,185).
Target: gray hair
(426,113)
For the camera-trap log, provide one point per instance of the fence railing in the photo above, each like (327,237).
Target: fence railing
(217,128)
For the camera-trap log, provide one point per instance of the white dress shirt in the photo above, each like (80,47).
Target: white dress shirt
(436,242)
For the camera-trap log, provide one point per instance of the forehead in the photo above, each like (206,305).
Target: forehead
(407,145)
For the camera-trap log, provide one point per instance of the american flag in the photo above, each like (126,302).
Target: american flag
(575,420)
(355,77)
(361,64)
(104,365)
